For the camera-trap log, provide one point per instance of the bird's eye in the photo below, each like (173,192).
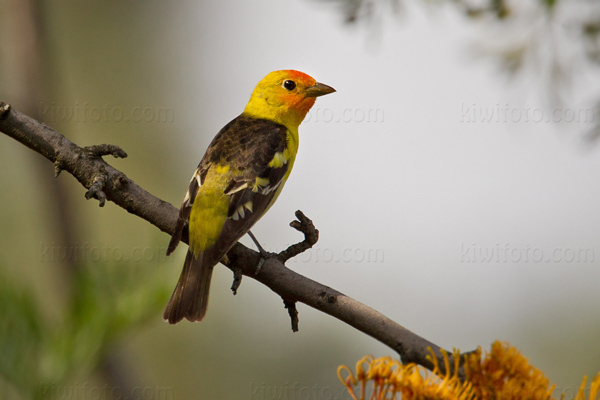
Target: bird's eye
(289,85)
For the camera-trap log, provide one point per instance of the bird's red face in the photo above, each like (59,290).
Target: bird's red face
(285,96)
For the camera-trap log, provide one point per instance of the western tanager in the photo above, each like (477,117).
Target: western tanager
(237,181)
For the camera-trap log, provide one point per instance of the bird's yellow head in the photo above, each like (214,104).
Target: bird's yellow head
(285,97)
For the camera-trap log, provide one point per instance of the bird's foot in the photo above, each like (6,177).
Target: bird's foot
(264,255)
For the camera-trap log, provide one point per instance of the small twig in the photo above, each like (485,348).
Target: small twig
(291,307)
(311,236)
(4,109)
(105,150)
(96,189)
(237,278)
(58,166)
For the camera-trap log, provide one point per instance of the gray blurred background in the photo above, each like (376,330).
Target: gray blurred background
(453,177)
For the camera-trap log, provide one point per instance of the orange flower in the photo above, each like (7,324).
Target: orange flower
(594,389)
(390,379)
(503,374)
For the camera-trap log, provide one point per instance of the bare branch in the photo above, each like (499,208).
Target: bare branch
(106,183)
(311,236)
(87,168)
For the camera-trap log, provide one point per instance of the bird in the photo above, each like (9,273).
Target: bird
(238,179)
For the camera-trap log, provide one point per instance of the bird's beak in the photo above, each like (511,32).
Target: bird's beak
(319,89)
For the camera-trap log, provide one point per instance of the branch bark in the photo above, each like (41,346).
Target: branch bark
(106,183)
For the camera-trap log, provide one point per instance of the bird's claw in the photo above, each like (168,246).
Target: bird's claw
(264,255)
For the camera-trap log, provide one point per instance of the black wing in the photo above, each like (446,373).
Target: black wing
(186,207)
(255,151)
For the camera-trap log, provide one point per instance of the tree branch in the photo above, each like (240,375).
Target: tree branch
(106,183)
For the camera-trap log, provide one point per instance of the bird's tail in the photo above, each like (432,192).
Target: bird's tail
(190,297)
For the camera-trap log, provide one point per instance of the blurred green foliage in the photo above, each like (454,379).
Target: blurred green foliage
(41,353)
